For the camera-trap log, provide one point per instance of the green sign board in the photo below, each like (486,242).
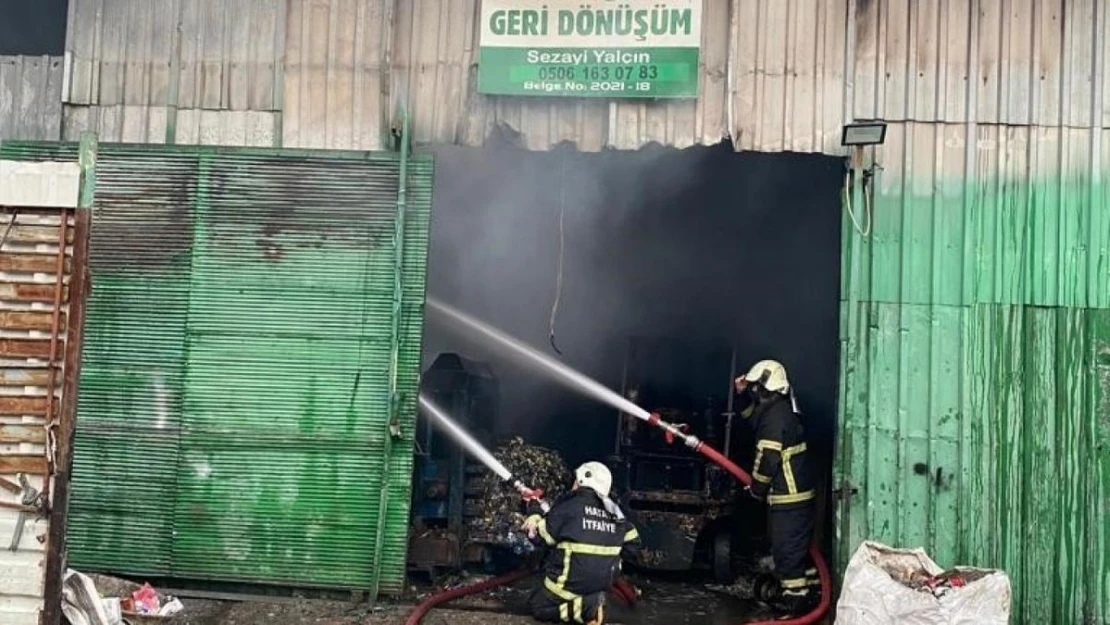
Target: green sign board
(631,49)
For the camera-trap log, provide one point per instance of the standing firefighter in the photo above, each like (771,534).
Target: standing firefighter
(782,477)
(587,535)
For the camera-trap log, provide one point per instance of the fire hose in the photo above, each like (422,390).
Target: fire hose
(621,588)
(673,432)
(455,593)
(591,388)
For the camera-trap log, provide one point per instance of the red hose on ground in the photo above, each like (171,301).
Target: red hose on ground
(623,589)
(455,593)
(814,553)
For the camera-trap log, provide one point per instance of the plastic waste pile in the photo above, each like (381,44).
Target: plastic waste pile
(940,585)
(495,512)
(890,586)
(111,601)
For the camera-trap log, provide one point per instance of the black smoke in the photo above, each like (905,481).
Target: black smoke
(702,245)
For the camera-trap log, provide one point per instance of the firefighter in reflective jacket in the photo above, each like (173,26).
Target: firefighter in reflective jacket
(782,477)
(587,535)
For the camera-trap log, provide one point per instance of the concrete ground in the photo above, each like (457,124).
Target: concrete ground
(313,612)
(663,603)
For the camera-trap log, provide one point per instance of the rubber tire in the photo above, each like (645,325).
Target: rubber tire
(722,557)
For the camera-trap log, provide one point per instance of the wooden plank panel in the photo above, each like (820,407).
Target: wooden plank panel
(31,263)
(30,292)
(16,406)
(30,464)
(27,377)
(27,234)
(26,348)
(19,433)
(26,320)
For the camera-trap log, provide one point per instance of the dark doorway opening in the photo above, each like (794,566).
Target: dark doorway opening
(33,27)
(703,244)
(672,260)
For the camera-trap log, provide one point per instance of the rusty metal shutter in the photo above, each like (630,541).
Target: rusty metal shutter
(233,416)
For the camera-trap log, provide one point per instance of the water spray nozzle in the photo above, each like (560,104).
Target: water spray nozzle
(531,494)
(676,430)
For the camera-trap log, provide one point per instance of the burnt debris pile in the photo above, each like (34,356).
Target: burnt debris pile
(494,511)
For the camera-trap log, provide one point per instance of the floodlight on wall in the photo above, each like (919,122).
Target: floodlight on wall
(856,136)
(863,133)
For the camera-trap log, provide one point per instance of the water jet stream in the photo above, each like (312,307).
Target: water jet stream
(480,453)
(465,440)
(527,355)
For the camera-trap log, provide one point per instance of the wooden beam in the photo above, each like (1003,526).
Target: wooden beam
(31,464)
(13,433)
(23,320)
(17,406)
(26,348)
(31,263)
(67,415)
(19,292)
(27,376)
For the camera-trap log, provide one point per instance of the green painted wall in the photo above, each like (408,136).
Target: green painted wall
(975,385)
(234,408)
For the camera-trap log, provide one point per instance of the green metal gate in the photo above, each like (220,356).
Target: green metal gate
(251,358)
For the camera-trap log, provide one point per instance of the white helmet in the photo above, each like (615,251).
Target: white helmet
(771,374)
(596,476)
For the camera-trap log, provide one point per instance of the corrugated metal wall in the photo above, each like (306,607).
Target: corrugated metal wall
(991,207)
(30,97)
(176,71)
(973,328)
(235,414)
(974,415)
(781,74)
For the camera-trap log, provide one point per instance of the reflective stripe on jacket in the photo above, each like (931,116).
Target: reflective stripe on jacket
(587,543)
(781,471)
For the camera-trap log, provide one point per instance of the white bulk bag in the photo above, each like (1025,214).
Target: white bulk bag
(873,595)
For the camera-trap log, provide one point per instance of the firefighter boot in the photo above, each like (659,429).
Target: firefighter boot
(795,603)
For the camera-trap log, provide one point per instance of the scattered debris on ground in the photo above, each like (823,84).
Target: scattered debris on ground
(320,612)
(663,602)
(102,600)
(744,587)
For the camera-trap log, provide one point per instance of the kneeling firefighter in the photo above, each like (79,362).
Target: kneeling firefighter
(783,477)
(587,535)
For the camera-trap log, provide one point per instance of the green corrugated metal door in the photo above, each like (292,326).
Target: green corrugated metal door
(233,420)
(975,397)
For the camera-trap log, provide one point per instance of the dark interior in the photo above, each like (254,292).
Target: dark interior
(700,248)
(33,27)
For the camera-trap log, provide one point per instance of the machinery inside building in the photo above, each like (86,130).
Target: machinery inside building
(661,273)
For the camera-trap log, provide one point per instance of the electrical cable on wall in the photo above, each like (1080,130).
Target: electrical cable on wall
(8,230)
(559,266)
(864,231)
